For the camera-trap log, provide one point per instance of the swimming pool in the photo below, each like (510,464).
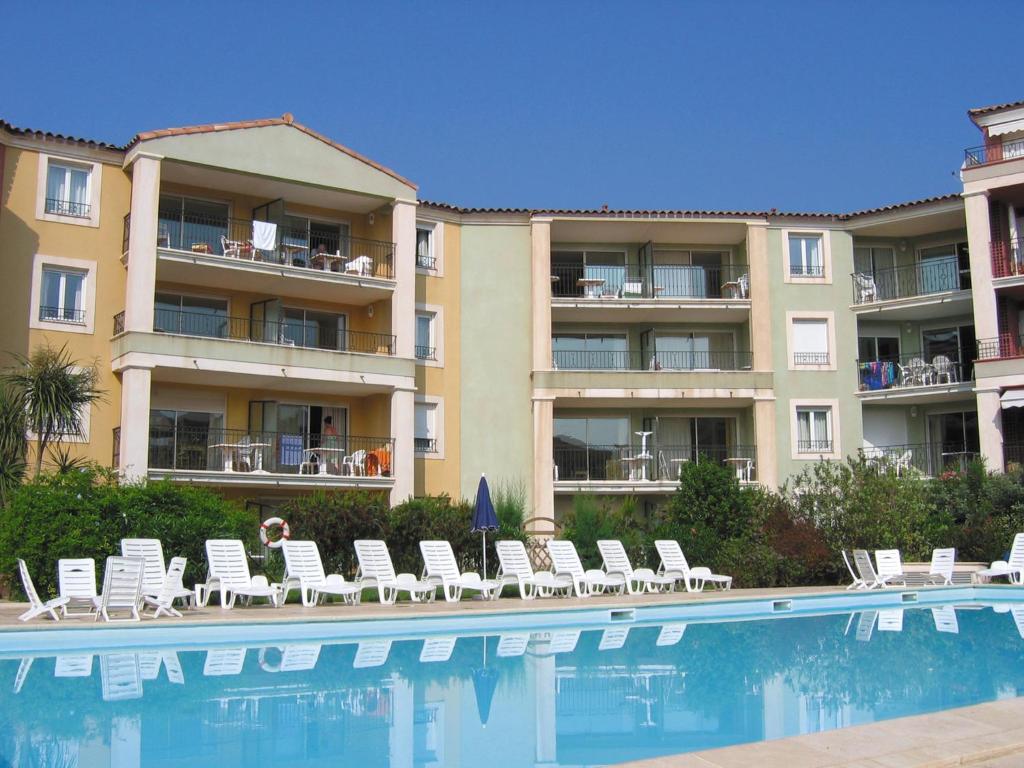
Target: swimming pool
(541,691)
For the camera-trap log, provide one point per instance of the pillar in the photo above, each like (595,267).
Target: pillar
(986,316)
(545,717)
(990,426)
(402,426)
(141,283)
(135,390)
(760,307)
(543,462)
(403,301)
(540,267)
(764,441)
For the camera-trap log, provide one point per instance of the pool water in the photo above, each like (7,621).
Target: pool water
(558,697)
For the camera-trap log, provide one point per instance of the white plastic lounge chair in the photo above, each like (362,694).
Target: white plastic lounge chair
(76,580)
(229,573)
(149,665)
(565,641)
(945,619)
(613,638)
(511,645)
(890,620)
(670,634)
(565,561)
(1017,612)
(865,569)
(673,563)
(1012,569)
(23,667)
(377,570)
(616,562)
(155,571)
(360,265)
(223,662)
(515,568)
(73,666)
(371,653)
(37,607)
(441,570)
(120,678)
(304,570)
(122,590)
(866,625)
(172,589)
(300,657)
(943,564)
(437,649)
(889,568)
(858,582)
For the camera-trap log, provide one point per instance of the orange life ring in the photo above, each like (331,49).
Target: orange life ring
(272,522)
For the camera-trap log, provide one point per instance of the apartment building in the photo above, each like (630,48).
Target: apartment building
(273,312)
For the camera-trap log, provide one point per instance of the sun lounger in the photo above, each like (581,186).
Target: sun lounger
(437,649)
(1012,569)
(613,638)
(889,568)
(943,564)
(945,619)
(371,653)
(616,562)
(858,582)
(120,678)
(515,568)
(37,607)
(76,580)
(304,570)
(377,571)
(566,563)
(229,574)
(224,662)
(514,644)
(441,570)
(122,590)
(154,573)
(673,563)
(670,634)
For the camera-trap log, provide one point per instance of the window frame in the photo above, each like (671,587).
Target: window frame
(436,313)
(94,189)
(436,247)
(791,352)
(831,406)
(824,240)
(41,263)
(437,404)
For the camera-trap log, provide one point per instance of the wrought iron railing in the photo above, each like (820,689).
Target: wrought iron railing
(425,444)
(920,279)
(68,208)
(814,446)
(931,459)
(810,358)
(812,269)
(119,323)
(425,353)
(994,152)
(426,262)
(1002,346)
(1007,258)
(666,281)
(115,457)
(62,315)
(912,370)
(1013,456)
(126,233)
(233,238)
(651,463)
(253,451)
(288,334)
(634,360)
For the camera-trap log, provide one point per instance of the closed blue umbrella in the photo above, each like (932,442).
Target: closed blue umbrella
(484,682)
(484,517)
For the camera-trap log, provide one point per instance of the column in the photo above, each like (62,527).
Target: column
(760,308)
(141,284)
(400,735)
(543,461)
(135,389)
(402,425)
(403,301)
(545,696)
(986,315)
(764,439)
(990,427)
(540,237)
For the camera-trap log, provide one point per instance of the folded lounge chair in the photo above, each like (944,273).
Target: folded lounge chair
(673,563)
(566,563)
(858,582)
(377,570)
(172,589)
(229,574)
(122,590)
(304,570)
(37,607)
(515,568)
(441,570)
(154,574)
(76,580)
(945,619)
(616,562)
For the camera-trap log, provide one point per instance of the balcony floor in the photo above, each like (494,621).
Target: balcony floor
(270,479)
(925,307)
(931,393)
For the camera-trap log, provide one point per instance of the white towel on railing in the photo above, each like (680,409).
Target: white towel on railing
(264,235)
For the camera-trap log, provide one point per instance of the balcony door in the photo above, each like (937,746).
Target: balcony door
(953,439)
(938,269)
(188,224)
(590,447)
(694,439)
(879,262)
(181,439)
(684,273)
(957,344)
(299,427)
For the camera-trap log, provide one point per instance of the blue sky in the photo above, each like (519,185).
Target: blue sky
(721,105)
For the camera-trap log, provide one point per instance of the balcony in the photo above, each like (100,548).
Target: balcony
(425,353)
(898,284)
(668,282)
(1007,258)
(1003,347)
(425,444)
(638,467)
(426,262)
(912,376)
(927,459)
(634,360)
(272,459)
(993,153)
(814,446)
(811,358)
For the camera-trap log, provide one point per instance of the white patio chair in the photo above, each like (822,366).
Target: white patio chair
(945,619)
(943,564)
(76,580)
(889,568)
(37,607)
(514,568)
(858,582)
(437,649)
(566,563)
(122,589)
(304,570)
(616,562)
(120,676)
(371,653)
(228,572)
(163,603)
(673,563)
(356,463)
(360,265)
(512,644)
(224,662)
(441,570)
(377,571)
(670,634)
(1012,569)
(613,638)
(865,286)
(944,369)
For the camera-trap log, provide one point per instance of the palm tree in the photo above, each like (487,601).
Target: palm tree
(12,440)
(56,391)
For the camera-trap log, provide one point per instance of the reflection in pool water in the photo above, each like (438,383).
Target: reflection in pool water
(553,697)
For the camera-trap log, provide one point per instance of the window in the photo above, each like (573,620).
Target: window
(691,274)
(63,296)
(425,427)
(317,330)
(814,430)
(181,439)
(425,348)
(945,267)
(425,247)
(192,316)
(805,256)
(187,224)
(67,190)
(880,348)
(680,350)
(589,274)
(810,342)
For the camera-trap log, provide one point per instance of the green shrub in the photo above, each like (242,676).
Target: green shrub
(592,519)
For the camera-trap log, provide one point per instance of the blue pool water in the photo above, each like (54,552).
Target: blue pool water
(555,696)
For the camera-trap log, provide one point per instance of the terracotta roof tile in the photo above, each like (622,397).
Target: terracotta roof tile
(994,108)
(35,134)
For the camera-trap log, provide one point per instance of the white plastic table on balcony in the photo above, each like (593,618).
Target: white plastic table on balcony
(591,286)
(320,453)
(234,450)
(744,467)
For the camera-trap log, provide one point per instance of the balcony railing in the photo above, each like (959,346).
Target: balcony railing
(119,323)
(233,238)
(115,458)
(1003,346)
(287,334)
(632,360)
(814,446)
(425,353)
(426,262)
(68,208)
(921,279)
(1013,456)
(425,444)
(814,269)
(658,463)
(1007,258)
(194,449)
(931,459)
(657,282)
(810,358)
(62,315)
(912,370)
(993,153)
